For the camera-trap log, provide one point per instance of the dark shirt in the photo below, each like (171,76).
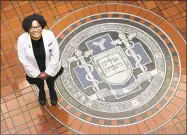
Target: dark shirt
(39,53)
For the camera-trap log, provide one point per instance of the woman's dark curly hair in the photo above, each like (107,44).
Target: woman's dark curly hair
(27,21)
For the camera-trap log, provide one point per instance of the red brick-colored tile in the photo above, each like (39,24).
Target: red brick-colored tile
(180,94)
(104,130)
(26,8)
(102,8)
(133,129)
(85,128)
(95,9)
(169,123)
(94,129)
(36,112)
(11,55)
(9,123)
(110,7)
(76,124)
(86,11)
(42,128)
(77,4)
(29,98)
(6,43)
(150,5)
(142,127)
(114,130)
(172,130)
(119,8)
(135,10)
(172,108)
(26,131)
(123,130)
(3,75)
(12,104)
(62,9)
(18,119)
(10,13)
(41,3)
(172,11)
(127,9)
(180,128)
(3,126)
(180,23)
(151,124)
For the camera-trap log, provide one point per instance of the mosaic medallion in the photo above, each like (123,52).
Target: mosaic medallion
(118,69)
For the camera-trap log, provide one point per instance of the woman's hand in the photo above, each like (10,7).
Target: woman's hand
(43,76)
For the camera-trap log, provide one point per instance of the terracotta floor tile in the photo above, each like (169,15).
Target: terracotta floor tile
(172,130)
(85,128)
(26,8)
(11,55)
(76,124)
(15,112)
(180,128)
(10,13)
(3,126)
(18,119)
(62,129)
(21,127)
(135,10)
(42,128)
(41,3)
(9,123)
(29,97)
(114,130)
(151,123)
(33,130)
(172,11)
(6,43)
(36,112)
(180,23)
(23,83)
(172,108)
(170,123)
(62,9)
(69,132)
(77,4)
(12,104)
(181,94)
(133,129)
(26,131)
(13,131)
(150,4)
(94,129)
(142,127)
(3,108)
(51,124)
(104,130)
(119,8)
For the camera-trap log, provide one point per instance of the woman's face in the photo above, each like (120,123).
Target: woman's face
(35,30)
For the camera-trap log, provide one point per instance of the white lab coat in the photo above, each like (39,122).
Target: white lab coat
(27,58)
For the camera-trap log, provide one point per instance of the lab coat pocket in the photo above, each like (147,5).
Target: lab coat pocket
(29,53)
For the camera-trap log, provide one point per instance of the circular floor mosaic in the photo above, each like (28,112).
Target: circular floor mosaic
(122,69)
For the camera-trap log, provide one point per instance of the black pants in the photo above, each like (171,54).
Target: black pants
(40,84)
(50,82)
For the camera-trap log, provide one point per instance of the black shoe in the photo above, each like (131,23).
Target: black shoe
(42,98)
(53,97)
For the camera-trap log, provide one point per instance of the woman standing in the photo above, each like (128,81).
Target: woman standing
(38,51)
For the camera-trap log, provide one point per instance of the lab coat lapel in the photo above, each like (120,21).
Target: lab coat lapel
(46,41)
(30,50)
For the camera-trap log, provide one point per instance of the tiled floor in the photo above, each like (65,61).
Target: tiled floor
(164,113)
